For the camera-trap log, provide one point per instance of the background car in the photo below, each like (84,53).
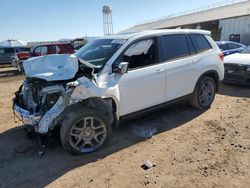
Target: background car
(229,47)
(22,54)
(8,54)
(237,67)
(45,49)
(77,47)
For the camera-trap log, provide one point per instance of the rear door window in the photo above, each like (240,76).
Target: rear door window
(174,47)
(1,51)
(191,46)
(200,42)
(52,49)
(44,50)
(58,50)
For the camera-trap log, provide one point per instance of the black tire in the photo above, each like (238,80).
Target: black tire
(204,82)
(87,136)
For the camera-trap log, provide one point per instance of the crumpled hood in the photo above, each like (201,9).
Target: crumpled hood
(238,58)
(52,67)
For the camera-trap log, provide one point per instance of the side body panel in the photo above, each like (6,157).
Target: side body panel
(142,88)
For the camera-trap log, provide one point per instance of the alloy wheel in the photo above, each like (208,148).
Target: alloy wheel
(206,93)
(88,134)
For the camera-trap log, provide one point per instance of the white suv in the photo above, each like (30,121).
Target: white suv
(114,78)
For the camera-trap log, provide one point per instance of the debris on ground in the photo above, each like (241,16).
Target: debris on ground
(147,165)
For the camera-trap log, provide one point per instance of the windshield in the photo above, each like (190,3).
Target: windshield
(246,50)
(99,51)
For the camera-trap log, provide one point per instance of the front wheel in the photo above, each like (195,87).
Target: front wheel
(204,93)
(84,131)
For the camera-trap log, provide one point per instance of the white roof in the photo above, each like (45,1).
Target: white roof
(126,36)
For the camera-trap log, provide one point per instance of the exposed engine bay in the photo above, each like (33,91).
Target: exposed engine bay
(38,96)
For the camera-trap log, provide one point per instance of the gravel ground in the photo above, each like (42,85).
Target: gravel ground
(190,148)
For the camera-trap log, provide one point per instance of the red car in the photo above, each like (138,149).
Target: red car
(60,48)
(43,49)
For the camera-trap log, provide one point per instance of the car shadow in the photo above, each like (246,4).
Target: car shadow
(234,90)
(20,165)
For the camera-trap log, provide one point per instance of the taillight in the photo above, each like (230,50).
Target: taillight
(221,55)
(23,55)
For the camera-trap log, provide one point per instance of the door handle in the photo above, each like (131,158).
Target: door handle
(158,71)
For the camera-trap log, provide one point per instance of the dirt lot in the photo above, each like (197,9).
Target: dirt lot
(191,148)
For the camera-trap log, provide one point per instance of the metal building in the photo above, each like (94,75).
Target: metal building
(227,20)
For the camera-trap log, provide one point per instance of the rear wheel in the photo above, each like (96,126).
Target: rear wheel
(85,131)
(204,93)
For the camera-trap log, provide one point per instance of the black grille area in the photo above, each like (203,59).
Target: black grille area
(236,73)
(234,77)
(236,68)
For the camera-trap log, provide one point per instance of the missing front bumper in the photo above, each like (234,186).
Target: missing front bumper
(25,116)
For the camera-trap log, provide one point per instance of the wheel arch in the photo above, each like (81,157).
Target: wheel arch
(108,106)
(213,74)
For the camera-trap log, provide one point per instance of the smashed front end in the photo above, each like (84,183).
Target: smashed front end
(43,95)
(55,82)
(38,103)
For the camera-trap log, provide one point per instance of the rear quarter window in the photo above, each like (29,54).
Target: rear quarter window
(232,46)
(223,46)
(200,42)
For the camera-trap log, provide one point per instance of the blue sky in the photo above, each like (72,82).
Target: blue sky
(39,20)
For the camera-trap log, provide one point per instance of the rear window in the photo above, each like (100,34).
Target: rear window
(22,49)
(9,50)
(200,42)
(174,47)
(44,50)
(246,50)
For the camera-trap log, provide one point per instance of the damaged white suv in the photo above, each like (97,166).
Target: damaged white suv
(114,78)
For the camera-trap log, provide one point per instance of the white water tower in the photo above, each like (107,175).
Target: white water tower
(107,20)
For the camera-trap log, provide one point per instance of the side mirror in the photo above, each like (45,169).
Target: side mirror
(122,68)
